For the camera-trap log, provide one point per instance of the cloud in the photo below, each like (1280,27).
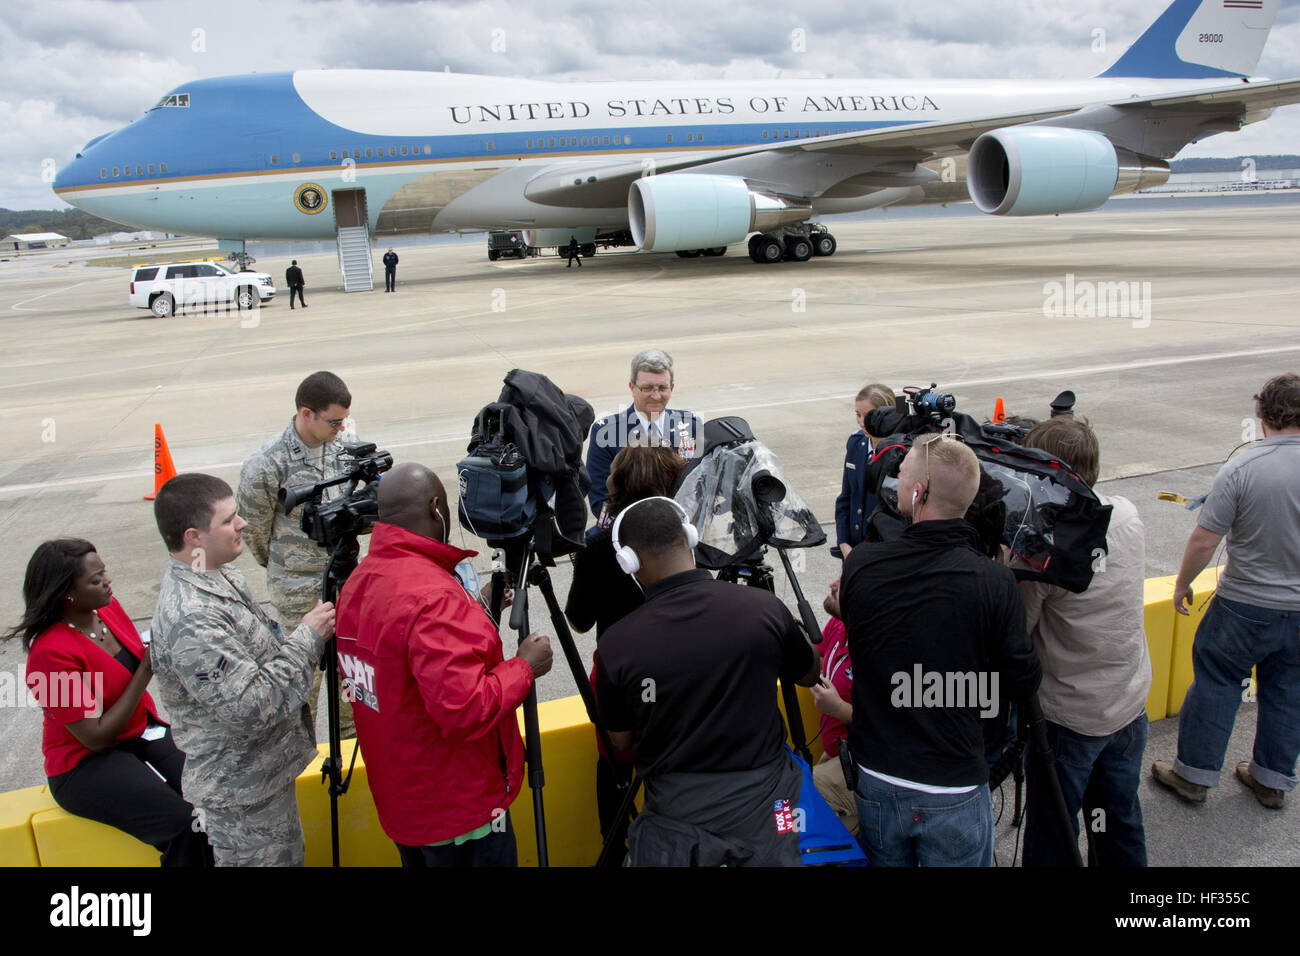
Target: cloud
(77,68)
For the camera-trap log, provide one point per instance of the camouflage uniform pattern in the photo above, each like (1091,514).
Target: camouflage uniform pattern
(266,834)
(294,562)
(235,689)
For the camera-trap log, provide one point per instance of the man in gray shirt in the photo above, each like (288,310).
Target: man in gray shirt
(1254,619)
(1096,676)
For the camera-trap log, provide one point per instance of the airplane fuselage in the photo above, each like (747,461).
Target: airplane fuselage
(261,156)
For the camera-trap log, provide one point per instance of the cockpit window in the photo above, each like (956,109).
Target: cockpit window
(174,99)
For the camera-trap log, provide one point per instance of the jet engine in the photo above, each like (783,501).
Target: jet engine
(696,211)
(1040,170)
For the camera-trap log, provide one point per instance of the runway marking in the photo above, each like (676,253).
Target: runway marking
(18,306)
(731,409)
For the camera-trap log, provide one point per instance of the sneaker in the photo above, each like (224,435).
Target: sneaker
(1265,795)
(1165,776)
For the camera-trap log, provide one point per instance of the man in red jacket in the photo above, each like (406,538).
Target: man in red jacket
(433,697)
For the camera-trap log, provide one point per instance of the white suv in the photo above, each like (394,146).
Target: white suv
(165,289)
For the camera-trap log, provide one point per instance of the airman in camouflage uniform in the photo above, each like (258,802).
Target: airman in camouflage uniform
(294,562)
(235,689)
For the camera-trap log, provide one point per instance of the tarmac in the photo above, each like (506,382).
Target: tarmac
(1165,374)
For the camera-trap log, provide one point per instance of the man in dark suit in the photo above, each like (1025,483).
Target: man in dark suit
(856,502)
(390,270)
(648,421)
(573,253)
(293,278)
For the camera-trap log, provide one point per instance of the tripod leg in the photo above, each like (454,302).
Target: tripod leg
(620,821)
(794,719)
(1018,774)
(1055,795)
(532,728)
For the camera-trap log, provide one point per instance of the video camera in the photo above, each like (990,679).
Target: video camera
(1048,517)
(352,513)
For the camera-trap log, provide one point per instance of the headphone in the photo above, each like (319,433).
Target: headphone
(627,558)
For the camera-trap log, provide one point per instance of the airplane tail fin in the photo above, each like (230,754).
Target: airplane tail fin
(1196,39)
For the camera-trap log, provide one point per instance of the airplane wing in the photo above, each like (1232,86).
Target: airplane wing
(894,150)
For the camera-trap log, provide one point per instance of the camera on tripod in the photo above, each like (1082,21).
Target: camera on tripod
(1050,519)
(353,512)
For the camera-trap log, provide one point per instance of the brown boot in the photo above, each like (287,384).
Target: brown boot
(1267,796)
(1165,776)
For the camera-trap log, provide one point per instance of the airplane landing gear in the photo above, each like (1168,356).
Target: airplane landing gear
(791,243)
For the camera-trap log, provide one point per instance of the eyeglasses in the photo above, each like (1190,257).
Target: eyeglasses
(930,440)
(332,422)
(653,389)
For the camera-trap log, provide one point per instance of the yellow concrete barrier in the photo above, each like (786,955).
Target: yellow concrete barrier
(1158,621)
(34,831)
(17,841)
(1180,676)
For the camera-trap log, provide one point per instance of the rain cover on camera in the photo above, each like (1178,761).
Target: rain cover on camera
(738,499)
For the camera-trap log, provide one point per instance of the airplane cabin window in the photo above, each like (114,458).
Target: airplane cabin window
(392,150)
(529,144)
(552,142)
(151,167)
(369,152)
(162,167)
(297,157)
(670,138)
(428,150)
(139,170)
(103,173)
(403,150)
(116,171)
(274,158)
(489,144)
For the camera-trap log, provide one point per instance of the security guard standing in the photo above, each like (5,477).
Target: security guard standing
(294,280)
(573,253)
(306,452)
(390,270)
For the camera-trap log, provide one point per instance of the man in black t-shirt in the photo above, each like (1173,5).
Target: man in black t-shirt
(689,679)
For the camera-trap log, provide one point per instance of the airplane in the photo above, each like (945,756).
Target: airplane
(691,167)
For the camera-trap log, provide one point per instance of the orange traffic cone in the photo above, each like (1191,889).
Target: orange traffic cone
(999,411)
(163,469)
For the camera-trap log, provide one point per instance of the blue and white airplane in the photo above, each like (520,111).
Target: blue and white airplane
(675,166)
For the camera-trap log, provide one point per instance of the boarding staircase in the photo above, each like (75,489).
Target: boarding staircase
(354,258)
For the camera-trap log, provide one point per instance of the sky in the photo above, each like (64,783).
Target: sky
(72,69)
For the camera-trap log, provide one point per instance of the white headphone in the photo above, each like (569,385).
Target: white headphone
(627,558)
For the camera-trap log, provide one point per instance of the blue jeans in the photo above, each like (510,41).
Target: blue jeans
(1232,638)
(901,827)
(1096,773)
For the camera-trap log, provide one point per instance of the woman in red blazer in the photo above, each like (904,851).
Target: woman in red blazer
(107,755)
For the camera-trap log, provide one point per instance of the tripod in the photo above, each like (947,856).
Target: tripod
(527,566)
(342,562)
(1033,725)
